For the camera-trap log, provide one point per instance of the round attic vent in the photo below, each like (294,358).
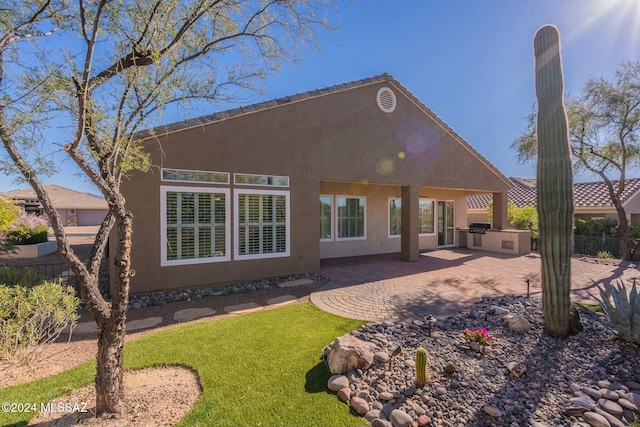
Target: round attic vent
(386,100)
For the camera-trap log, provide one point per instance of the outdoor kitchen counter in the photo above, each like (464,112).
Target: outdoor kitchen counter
(516,242)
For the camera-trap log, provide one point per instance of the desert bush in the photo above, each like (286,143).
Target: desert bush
(20,276)
(27,230)
(32,318)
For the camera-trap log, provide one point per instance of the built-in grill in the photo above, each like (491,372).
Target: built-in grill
(479,227)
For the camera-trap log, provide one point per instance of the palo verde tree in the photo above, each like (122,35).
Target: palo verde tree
(604,131)
(555,183)
(104,70)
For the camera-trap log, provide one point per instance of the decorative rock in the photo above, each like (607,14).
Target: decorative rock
(441,391)
(380,423)
(633,385)
(386,395)
(627,404)
(417,409)
(424,420)
(516,369)
(584,402)
(607,384)
(610,406)
(372,415)
(500,311)
(517,323)
(344,394)
(575,411)
(400,418)
(628,415)
(359,405)
(337,382)
(613,421)
(492,411)
(595,419)
(609,394)
(348,352)
(387,409)
(592,392)
(634,397)
(381,356)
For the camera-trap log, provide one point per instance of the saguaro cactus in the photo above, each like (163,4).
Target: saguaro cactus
(555,183)
(422,366)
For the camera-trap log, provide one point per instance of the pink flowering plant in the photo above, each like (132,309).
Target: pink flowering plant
(481,335)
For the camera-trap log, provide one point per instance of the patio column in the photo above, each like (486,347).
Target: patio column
(500,203)
(410,250)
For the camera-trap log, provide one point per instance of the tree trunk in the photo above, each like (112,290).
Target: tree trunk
(623,231)
(111,328)
(555,184)
(110,360)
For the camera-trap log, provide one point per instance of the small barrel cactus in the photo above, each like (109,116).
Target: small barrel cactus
(450,368)
(422,366)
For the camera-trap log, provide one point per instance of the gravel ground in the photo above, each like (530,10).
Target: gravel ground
(483,391)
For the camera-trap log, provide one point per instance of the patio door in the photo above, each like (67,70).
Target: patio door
(445,223)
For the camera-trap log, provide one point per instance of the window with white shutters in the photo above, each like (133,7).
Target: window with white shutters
(262,224)
(195,225)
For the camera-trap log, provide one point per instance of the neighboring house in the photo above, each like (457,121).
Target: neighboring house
(75,208)
(591,199)
(272,188)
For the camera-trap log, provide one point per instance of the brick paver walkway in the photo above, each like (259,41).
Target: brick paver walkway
(442,282)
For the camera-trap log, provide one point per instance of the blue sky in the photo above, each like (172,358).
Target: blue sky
(470,61)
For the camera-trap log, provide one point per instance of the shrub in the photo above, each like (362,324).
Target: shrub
(26,277)
(625,310)
(27,230)
(9,212)
(31,318)
(5,247)
(604,254)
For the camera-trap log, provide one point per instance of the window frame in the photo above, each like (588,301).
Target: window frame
(433,216)
(164,189)
(236,232)
(389,235)
(331,217)
(337,217)
(191,181)
(273,178)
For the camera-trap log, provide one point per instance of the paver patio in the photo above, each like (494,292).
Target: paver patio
(442,282)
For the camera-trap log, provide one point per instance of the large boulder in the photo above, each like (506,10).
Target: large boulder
(348,352)
(517,323)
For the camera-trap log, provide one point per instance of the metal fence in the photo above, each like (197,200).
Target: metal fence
(589,245)
(57,271)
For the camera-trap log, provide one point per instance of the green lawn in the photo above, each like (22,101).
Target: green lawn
(262,368)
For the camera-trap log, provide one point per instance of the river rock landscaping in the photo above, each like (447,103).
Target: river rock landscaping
(523,378)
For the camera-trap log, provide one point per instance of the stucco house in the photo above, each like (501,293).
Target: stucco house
(591,199)
(271,189)
(74,207)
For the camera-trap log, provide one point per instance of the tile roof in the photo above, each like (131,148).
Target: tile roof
(585,194)
(299,97)
(62,198)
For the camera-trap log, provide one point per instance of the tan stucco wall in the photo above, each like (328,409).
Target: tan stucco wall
(339,137)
